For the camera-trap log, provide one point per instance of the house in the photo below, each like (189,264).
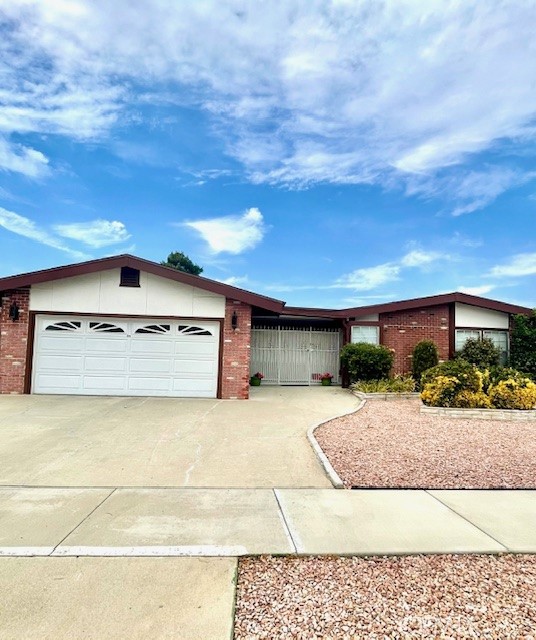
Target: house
(127,326)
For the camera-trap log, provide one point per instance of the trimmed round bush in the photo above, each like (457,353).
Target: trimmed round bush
(482,353)
(425,356)
(468,376)
(365,361)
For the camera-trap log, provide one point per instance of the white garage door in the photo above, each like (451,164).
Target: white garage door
(110,356)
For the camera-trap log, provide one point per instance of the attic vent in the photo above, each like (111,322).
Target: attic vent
(129,277)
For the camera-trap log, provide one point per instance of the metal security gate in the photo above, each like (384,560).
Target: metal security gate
(295,355)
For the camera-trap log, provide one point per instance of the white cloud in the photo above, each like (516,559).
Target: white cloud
(236,281)
(459,239)
(231,234)
(368,278)
(417,258)
(338,92)
(522,264)
(471,190)
(97,233)
(25,227)
(20,159)
(477,291)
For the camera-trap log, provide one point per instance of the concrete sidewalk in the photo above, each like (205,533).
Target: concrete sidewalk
(235,522)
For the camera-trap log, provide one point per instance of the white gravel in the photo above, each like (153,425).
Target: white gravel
(457,596)
(391,444)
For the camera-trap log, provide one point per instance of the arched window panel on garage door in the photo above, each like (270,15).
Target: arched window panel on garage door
(105,327)
(194,331)
(66,325)
(155,329)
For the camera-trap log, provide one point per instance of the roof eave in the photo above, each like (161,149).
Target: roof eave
(126,260)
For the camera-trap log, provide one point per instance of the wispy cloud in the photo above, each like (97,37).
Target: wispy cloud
(300,93)
(477,291)
(20,159)
(236,281)
(231,234)
(372,277)
(368,278)
(97,233)
(522,264)
(469,191)
(418,258)
(29,229)
(460,240)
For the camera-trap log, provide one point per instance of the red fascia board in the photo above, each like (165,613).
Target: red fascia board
(430,301)
(312,312)
(248,297)
(126,260)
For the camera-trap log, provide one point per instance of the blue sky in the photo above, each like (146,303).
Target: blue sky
(324,153)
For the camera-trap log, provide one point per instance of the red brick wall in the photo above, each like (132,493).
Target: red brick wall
(13,341)
(402,330)
(236,352)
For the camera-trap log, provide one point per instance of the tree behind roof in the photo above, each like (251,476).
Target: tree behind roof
(181,262)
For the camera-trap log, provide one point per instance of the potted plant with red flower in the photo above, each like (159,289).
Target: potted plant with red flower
(255,380)
(325,379)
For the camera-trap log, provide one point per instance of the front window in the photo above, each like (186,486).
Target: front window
(499,339)
(369,335)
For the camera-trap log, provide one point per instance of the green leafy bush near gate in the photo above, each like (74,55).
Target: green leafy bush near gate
(365,361)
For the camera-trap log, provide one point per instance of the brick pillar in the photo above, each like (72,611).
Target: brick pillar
(236,351)
(13,341)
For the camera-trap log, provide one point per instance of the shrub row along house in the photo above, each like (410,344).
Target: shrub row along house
(128,326)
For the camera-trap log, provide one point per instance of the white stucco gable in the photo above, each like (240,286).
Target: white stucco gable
(477,317)
(100,293)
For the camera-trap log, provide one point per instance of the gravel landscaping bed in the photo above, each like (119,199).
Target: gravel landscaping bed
(393,445)
(448,596)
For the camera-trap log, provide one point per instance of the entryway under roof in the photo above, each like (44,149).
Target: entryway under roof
(295,352)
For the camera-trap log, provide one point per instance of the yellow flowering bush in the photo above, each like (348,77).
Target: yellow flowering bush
(448,391)
(513,394)
(472,400)
(441,391)
(457,384)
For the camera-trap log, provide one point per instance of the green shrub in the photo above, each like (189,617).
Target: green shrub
(366,361)
(482,353)
(513,393)
(425,356)
(523,343)
(496,374)
(468,376)
(397,384)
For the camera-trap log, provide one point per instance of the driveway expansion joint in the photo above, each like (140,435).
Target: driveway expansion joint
(285,523)
(83,520)
(486,533)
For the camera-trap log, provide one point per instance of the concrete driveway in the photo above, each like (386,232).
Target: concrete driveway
(73,441)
